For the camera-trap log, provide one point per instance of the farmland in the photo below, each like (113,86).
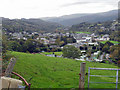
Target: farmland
(114,42)
(51,72)
(83,32)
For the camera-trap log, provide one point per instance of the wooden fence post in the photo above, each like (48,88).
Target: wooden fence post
(82,75)
(10,67)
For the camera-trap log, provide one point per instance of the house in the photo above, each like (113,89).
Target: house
(106,37)
(17,35)
(24,38)
(52,41)
(83,52)
(44,40)
(93,44)
(53,46)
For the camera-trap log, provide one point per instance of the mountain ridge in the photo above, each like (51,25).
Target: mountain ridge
(69,20)
(18,25)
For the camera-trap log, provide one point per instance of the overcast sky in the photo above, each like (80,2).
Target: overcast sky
(48,8)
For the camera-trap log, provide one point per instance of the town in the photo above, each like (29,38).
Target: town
(88,43)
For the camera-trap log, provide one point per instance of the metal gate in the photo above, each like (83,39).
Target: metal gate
(103,75)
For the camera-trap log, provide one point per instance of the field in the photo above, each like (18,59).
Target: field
(114,42)
(51,72)
(56,53)
(84,32)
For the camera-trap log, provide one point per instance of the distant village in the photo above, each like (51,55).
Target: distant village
(82,39)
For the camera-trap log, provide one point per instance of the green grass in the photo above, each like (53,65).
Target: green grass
(84,32)
(114,42)
(52,72)
(99,24)
(56,53)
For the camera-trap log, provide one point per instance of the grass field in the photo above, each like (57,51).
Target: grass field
(114,42)
(84,32)
(56,53)
(51,72)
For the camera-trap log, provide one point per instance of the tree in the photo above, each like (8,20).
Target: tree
(3,48)
(14,46)
(81,48)
(31,45)
(70,51)
(4,43)
(109,43)
(62,43)
(89,53)
(58,41)
(115,52)
(106,48)
(100,46)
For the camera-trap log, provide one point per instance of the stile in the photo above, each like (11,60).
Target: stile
(10,67)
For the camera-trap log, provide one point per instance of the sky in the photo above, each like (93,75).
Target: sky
(53,8)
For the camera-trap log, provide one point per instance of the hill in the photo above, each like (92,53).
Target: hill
(111,28)
(69,20)
(65,17)
(50,72)
(30,25)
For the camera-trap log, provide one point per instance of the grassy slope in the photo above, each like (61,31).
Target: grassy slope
(114,42)
(51,72)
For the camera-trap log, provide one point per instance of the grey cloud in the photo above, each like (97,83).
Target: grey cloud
(97,1)
(76,3)
(80,2)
